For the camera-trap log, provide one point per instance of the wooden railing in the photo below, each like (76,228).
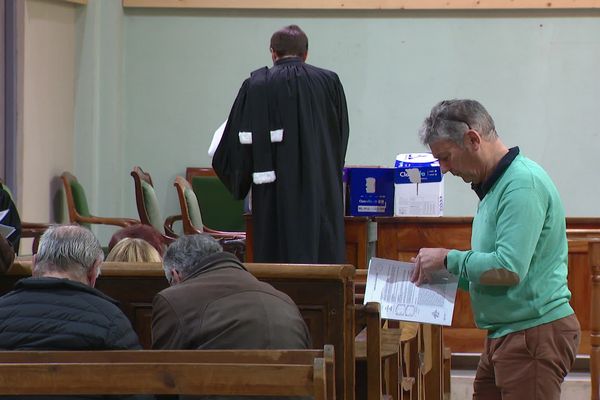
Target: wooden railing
(401,238)
(594,257)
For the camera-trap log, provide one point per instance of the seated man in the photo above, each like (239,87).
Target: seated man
(58,307)
(214,303)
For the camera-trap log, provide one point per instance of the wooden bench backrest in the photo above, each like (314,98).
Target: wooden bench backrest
(324,294)
(157,372)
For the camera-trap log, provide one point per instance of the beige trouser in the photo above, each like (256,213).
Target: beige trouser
(529,364)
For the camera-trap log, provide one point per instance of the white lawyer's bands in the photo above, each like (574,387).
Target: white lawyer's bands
(276,136)
(263,177)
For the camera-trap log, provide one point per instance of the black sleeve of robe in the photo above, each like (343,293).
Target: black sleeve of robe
(232,160)
(11,219)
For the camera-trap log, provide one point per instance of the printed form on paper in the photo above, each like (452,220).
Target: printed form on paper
(388,283)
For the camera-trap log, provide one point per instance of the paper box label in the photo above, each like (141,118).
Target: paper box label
(371,191)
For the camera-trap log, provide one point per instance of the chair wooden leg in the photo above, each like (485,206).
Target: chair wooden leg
(393,381)
(446,371)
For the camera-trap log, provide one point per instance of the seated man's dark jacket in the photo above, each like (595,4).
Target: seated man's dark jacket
(223,306)
(60,314)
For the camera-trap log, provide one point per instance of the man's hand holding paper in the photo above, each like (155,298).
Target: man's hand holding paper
(389,284)
(427,262)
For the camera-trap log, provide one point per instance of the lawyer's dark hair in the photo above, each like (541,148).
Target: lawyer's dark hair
(289,41)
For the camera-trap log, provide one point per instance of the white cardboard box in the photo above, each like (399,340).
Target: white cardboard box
(418,186)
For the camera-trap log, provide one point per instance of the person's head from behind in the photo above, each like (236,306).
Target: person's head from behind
(139,231)
(457,132)
(183,256)
(70,252)
(289,41)
(133,250)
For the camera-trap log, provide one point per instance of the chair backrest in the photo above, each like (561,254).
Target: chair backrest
(146,200)
(219,209)
(191,217)
(77,204)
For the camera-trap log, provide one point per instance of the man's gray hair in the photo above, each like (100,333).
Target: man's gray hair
(184,254)
(67,248)
(450,119)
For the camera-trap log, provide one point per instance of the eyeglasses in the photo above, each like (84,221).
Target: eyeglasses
(458,120)
(451,120)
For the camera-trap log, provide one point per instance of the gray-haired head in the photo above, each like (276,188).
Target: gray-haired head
(67,249)
(185,252)
(450,119)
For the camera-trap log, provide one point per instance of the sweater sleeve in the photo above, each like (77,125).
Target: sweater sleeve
(519,219)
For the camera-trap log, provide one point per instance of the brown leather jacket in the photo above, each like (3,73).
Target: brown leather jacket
(223,306)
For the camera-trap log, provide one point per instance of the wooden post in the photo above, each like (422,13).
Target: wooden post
(594,254)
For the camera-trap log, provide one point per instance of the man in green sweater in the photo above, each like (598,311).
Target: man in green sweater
(516,270)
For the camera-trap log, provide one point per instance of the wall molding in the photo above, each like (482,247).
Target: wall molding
(367,4)
(82,2)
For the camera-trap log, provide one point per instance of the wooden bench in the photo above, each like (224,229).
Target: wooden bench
(206,372)
(324,294)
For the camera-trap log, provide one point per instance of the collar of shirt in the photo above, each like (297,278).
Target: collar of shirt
(288,60)
(481,189)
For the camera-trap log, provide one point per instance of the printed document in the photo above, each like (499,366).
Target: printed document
(388,283)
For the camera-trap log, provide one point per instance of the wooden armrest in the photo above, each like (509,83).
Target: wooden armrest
(33,229)
(122,222)
(168,225)
(225,234)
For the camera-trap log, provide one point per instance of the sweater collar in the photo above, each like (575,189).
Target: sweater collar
(213,262)
(481,189)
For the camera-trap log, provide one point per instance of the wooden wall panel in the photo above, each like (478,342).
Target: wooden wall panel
(402,237)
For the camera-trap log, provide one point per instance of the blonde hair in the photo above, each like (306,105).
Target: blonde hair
(133,250)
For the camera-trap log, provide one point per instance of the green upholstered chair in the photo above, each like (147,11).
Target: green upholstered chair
(148,207)
(219,209)
(28,229)
(192,221)
(77,206)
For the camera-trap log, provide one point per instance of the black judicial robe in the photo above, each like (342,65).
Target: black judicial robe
(286,137)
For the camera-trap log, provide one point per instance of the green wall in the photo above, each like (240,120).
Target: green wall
(166,80)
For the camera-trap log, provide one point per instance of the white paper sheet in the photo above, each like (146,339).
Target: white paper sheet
(388,283)
(5,230)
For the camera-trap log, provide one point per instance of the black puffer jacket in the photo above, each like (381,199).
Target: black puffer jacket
(60,314)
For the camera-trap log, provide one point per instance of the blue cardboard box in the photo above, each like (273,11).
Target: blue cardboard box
(370,191)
